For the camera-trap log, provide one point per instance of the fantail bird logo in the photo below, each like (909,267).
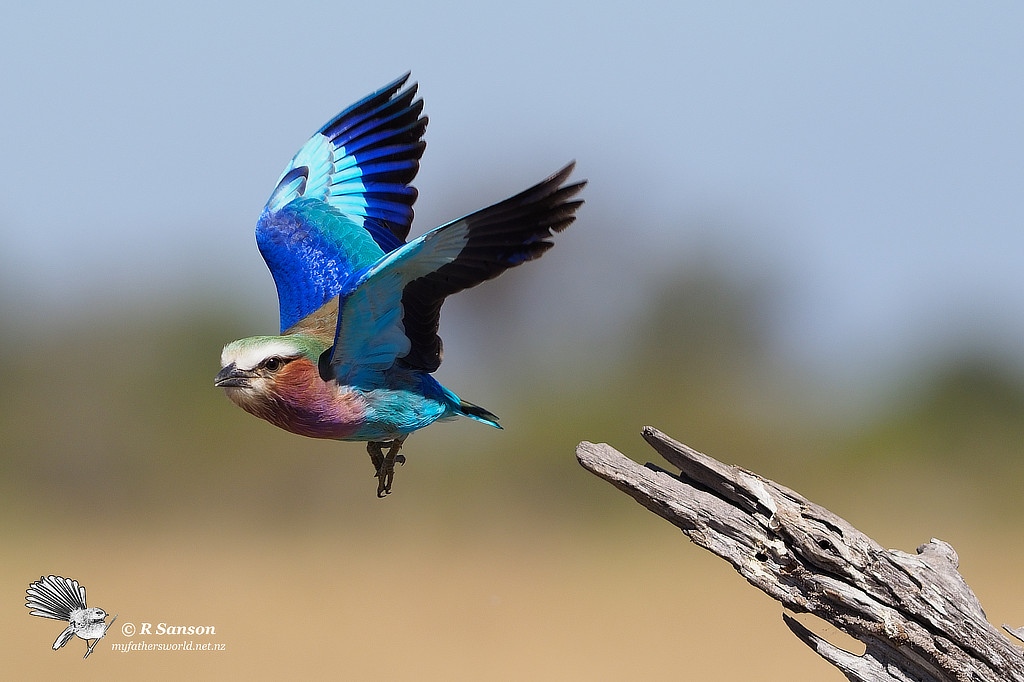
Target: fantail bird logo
(64,599)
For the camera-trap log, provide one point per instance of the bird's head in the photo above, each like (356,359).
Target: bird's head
(252,368)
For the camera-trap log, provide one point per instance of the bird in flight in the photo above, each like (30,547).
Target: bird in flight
(359,304)
(64,599)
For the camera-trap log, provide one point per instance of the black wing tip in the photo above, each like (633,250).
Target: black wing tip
(550,198)
(400,88)
(560,176)
(565,172)
(384,96)
(553,188)
(395,85)
(562,206)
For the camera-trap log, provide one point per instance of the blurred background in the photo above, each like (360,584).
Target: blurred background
(800,253)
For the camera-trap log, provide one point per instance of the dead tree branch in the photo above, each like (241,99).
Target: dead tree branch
(917,617)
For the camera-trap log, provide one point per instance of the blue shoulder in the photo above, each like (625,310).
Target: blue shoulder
(311,249)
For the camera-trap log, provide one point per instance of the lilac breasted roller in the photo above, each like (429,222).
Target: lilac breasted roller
(359,304)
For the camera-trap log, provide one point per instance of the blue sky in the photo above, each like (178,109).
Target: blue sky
(868,159)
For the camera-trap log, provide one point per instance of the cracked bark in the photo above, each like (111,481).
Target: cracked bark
(915,614)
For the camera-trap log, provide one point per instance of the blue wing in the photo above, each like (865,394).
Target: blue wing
(389,312)
(344,200)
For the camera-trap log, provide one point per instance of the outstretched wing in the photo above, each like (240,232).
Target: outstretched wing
(344,200)
(55,597)
(390,311)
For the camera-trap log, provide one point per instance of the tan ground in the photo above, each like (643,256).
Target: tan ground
(557,605)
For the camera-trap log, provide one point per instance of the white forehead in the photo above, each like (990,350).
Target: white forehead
(246,354)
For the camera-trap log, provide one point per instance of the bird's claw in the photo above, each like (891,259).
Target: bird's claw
(385,478)
(384,465)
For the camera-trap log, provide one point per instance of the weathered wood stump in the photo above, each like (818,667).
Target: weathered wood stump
(917,617)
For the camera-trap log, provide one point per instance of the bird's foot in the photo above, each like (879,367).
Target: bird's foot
(384,465)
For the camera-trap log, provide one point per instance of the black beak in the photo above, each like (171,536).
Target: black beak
(232,377)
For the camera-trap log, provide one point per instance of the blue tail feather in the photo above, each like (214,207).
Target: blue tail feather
(468,409)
